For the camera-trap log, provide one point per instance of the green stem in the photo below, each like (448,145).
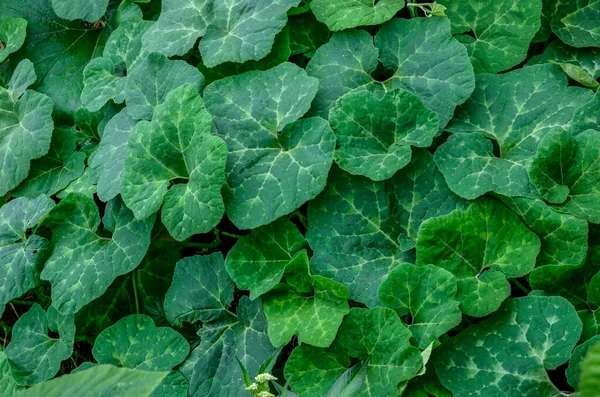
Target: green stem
(22,302)
(232,235)
(135,292)
(520,286)
(412,10)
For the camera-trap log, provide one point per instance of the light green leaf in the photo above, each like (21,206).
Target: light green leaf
(590,376)
(55,170)
(315,319)
(34,355)
(421,52)
(497,34)
(109,161)
(341,14)
(84,263)
(481,246)
(85,184)
(176,145)
(22,77)
(201,290)
(135,342)
(380,334)
(427,294)
(12,36)
(375,132)
(21,254)
(566,170)
(511,350)
(419,192)
(314,370)
(574,369)
(586,58)
(587,116)
(258,261)
(26,127)
(88,10)
(97,381)
(502,109)
(212,368)
(275,163)
(576,22)
(578,74)
(8,386)
(564,237)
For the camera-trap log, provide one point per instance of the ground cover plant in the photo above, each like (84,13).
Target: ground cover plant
(299,198)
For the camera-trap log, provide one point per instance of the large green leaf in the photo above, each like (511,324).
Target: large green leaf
(22,254)
(419,192)
(84,263)
(101,380)
(380,335)
(511,350)
(427,294)
(26,127)
(515,110)
(135,342)
(231,31)
(176,145)
(482,247)
(566,171)
(12,36)
(201,290)
(275,163)
(212,367)
(55,170)
(88,10)
(421,52)
(34,355)
(587,116)
(375,132)
(341,14)
(258,261)
(576,22)
(496,34)
(310,376)
(315,318)
(590,372)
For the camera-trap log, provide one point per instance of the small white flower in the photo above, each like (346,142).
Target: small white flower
(265,394)
(252,387)
(262,378)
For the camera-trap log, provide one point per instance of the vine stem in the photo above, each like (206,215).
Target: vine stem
(520,285)
(135,291)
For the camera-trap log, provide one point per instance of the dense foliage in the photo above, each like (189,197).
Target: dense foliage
(299,198)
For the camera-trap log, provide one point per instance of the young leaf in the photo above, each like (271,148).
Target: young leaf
(247,377)
(267,366)
(350,382)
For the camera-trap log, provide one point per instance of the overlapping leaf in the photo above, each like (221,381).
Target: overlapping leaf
(89,10)
(340,14)
(275,162)
(576,22)
(12,36)
(175,147)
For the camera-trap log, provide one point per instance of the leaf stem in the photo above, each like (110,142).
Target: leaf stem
(14,310)
(520,286)
(135,292)
(232,235)
(22,302)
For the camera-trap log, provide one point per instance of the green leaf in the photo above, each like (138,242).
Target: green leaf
(22,78)
(497,35)
(174,385)
(481,246)
(212,369)
(174,147)
(419,192)
(201,290)
(576,22)
(34,355)
(275,163)
(587,59)
(258,261)
(12,36)
(22,254)
(578,74)
(511,350)
(315,370)
(573,372)
(8,386)
(109,161)
(590,376)
(501,110)
(587,116)
(135,342)
(380,334)
(566,170)
(350,382)
(375,132)
(55,170)
(97,381)
(84,263)
(341,14)
(427,294)
(85,184)
(564,237)
(155,273)
(88,10)
(421,52)
(315,319)
(229,31)
(306,33)
(26,127)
